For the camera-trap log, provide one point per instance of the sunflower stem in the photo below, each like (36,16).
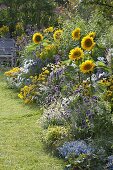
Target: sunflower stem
(80,42)
(40,47)
(79,75)
(91,83)
(91,54)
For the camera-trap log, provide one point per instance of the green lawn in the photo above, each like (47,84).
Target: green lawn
(20,135)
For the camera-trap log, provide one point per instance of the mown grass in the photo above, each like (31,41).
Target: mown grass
(20,135)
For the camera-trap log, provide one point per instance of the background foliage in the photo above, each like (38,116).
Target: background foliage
(27,11)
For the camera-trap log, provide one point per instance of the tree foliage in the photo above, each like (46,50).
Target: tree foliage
(106,6)
(62,2)
(27,11)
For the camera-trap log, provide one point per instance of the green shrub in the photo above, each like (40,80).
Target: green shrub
(56,135)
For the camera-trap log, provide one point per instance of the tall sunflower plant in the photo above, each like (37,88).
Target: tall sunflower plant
(82,55)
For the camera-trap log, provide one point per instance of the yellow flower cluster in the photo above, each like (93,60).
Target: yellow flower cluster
(43,75)
(12,72)
(4,30)
(49,47)
(108,83)
(26,93)
(87,43)
(86,88)
(19,28)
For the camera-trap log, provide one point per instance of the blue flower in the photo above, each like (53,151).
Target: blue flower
(75,147)
(110,162)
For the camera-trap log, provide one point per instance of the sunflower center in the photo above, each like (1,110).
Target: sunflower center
(58,35)
(88,43)
(76,34)
(87,67)
(38,38)
(77,54)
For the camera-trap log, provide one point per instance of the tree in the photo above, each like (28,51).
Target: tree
(39,12)
(106,6)
(62,2)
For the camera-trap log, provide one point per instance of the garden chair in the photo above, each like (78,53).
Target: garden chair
(7,51)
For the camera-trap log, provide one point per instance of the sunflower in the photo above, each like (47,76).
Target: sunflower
(49,29)
(92,34)
(87,43)
(76,34)
(76,54)
(87,66)
(57,34)
(37,38)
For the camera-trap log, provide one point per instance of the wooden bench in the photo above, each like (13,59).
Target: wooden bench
(7,51)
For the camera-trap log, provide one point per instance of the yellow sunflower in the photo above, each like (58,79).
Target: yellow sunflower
(92,34)
(87,66)
(37,38)
(76,34)
(87,43)
(76,54)
(57,34)
(49,29)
